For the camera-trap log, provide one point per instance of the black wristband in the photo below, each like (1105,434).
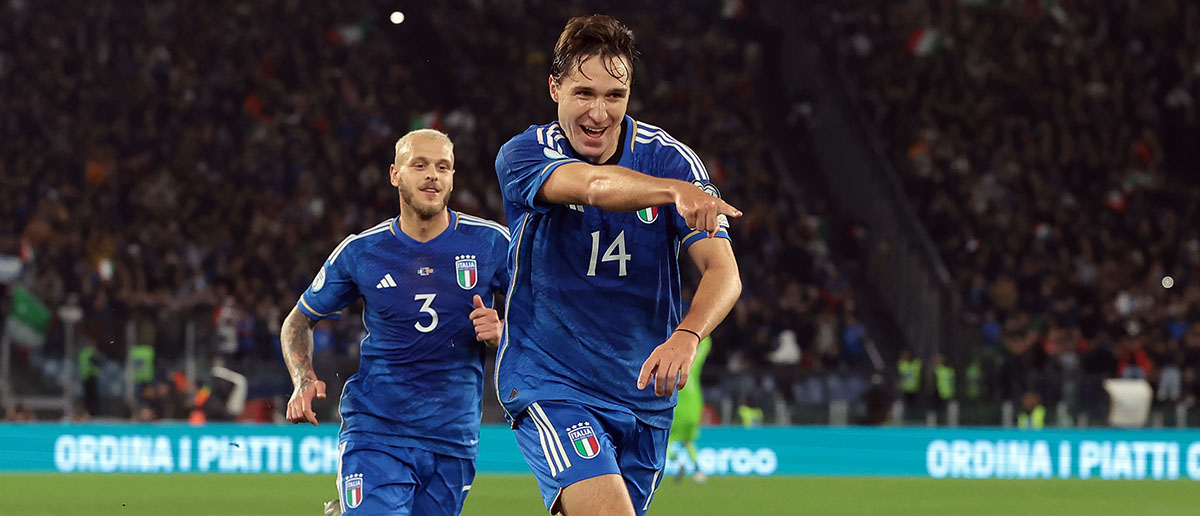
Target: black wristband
(698,337)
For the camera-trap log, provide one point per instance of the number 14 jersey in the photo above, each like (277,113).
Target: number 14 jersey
(420,377)
(593,292)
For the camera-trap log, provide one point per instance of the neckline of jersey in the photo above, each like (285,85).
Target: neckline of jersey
(410,241)
(622,141)
(626,139)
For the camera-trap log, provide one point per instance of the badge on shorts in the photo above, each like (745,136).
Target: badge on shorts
(584,439)
(353,487)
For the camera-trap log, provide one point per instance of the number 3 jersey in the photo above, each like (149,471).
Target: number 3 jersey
(593,292)
(420,377)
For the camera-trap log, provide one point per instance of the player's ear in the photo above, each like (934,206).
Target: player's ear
(394,175)
(553,88)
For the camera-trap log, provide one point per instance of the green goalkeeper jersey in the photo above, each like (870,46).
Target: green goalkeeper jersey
(691,399)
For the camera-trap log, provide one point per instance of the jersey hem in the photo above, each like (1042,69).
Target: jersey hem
(590,402)
(470,452)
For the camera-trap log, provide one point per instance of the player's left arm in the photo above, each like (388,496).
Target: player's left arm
(720,286)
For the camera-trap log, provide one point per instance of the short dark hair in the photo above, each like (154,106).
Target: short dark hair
(587,36)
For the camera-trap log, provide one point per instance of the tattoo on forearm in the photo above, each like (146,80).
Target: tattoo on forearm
(296,338)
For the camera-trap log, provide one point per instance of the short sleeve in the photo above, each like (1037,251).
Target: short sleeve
(523,165)
(333,289)
(675,160)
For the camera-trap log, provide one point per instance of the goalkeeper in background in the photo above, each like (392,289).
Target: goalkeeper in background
(686,428)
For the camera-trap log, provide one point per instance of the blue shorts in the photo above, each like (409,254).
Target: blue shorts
(377,479)
(565,442)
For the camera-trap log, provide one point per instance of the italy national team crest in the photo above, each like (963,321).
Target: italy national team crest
(648,215)
(352,486)
(467,271)
(584,439)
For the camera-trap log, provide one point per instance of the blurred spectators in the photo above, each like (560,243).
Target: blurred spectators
(18,414)
(1050,150)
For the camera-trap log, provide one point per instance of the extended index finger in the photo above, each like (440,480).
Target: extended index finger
(648,368)
(729,209)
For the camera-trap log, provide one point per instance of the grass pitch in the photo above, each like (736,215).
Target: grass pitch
(223,495)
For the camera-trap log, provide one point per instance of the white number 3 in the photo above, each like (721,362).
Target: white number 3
(426,308)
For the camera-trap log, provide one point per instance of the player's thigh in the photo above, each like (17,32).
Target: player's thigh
(444,487)
(604,495)
(564,443)
(374,481)
(642,458)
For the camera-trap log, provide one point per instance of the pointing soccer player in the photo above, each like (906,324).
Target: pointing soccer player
(596,341)
(410,416)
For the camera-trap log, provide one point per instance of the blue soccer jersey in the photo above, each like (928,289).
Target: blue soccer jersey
(420,379)
(593,292)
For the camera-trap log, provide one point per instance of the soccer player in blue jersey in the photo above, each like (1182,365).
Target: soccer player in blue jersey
(596,341)
(410,416)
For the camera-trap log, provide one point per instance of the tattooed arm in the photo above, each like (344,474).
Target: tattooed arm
(296,339)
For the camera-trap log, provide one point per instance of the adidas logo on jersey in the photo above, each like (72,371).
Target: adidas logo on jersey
(386,282)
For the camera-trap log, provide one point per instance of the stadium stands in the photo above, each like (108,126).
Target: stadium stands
(1049,148)
(174,174)
(181,169)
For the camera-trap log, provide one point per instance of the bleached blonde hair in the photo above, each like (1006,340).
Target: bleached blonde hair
(405,142)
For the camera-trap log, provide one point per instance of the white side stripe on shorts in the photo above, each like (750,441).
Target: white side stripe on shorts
(466,488)
(553,435)
(338,480)
(548,450)
(653,489)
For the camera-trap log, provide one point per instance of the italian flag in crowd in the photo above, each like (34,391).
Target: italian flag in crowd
(29,319)
(924,41)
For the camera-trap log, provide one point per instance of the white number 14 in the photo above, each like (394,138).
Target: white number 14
(615,252)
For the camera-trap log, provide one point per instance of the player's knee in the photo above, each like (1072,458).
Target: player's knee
(605,495)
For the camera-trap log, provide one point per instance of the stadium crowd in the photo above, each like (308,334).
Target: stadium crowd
(1050,150)
(180,170)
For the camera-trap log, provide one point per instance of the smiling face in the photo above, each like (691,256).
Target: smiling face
(424,175)
(592,101)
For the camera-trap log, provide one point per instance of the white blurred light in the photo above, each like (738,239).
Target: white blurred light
(397,17)
(1168,282)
